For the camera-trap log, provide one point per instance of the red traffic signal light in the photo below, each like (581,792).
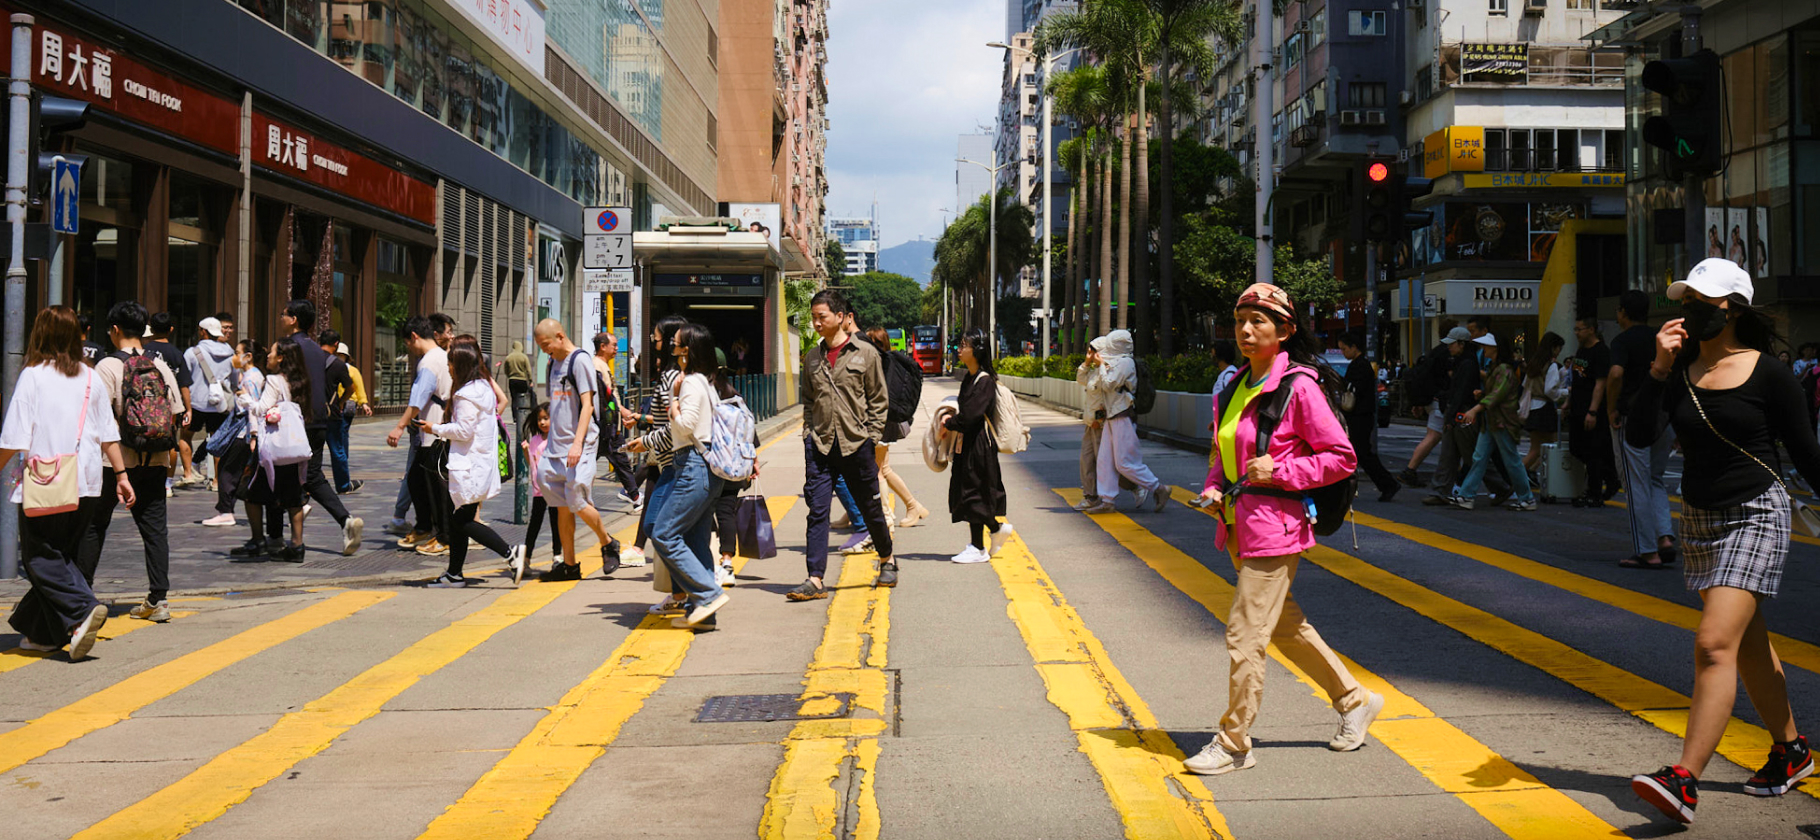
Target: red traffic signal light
(1378,173)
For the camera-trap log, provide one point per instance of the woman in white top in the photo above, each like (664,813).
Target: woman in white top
(682,528)
(286,376)
(473,436)
(60,407)
(1543,388)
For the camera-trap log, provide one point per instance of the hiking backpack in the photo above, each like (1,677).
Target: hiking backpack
(1006,425)
(147,421)
(731,454)
(1143,399)
(904,384)
(1332,502)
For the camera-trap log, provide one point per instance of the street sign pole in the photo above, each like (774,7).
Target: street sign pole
(19,92)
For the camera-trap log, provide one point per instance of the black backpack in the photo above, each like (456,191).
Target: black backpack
(904,383)
(1143,399)
(1420,383)
(1332,502)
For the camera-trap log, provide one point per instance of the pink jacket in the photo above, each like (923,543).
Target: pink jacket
(1310,449)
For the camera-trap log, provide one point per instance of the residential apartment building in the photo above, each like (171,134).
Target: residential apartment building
(1763,208)
(859,239)
(384,158)
(772,137)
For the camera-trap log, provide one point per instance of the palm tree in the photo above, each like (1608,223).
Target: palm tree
(1070,156)
(962,254)
(1183,29)
(1084,94)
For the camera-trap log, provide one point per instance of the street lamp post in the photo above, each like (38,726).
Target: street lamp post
(991,249)
(1048,179)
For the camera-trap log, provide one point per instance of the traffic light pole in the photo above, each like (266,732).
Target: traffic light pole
(19,92)
(1371,301)
(1693,187)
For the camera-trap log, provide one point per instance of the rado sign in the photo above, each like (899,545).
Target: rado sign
(1492,297)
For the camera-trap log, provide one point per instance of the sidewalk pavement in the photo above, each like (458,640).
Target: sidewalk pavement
(200,563)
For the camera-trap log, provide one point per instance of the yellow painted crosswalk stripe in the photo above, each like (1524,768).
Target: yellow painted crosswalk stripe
(229,778)
(1504,794)
(1138,763)
(120,625)
(1791,651)
(803,802)
(510,800)
(119,701)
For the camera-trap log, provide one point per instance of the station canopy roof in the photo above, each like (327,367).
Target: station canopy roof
(692,245)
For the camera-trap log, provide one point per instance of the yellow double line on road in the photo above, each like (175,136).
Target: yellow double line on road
(511,799)
(229,778)
(1138,763)
(1504,794)
(804,801)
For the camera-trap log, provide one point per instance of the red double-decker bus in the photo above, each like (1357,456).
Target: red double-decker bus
(926,348)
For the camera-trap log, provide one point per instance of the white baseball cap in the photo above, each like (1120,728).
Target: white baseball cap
(1715,277)
(212,326)
(341,349)
(1487,339)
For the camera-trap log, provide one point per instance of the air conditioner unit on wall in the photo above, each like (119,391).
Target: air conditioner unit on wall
(1374,118)
(1350,118)
(1535,7)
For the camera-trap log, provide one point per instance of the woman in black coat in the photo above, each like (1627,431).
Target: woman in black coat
(976,493)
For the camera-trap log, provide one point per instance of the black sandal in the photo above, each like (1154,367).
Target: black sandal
(1638,562)
(1669,552)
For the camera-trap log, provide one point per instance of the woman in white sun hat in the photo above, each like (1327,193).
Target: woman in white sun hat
(1716,379)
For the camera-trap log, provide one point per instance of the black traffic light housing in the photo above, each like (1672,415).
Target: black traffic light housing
(1377,201)
(1693,115)
(51,116)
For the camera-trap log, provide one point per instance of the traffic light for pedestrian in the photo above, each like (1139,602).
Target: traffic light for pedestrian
(51,116)
(1688,132)
(1377,201)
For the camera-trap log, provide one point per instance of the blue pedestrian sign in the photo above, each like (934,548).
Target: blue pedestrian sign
(66,190)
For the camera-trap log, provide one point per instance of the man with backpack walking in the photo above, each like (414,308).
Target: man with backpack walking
(148,405)
(845,402)
(606,417)
(1123,384)
(566,471)
(1423,384)
(299,317)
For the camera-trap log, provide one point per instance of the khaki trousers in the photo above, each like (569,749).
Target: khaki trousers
(1263,612)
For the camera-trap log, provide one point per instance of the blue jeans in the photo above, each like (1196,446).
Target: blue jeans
(402,505)
(338,450)
(683,527)
(1506,445)
(1647,491)
(851,505)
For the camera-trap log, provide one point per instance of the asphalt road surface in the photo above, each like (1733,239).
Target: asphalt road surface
(1048,694)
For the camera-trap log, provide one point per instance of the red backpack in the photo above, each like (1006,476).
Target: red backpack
(147,422)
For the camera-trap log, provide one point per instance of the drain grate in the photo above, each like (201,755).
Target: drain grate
(758,708)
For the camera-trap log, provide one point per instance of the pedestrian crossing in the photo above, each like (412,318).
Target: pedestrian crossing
(827,779)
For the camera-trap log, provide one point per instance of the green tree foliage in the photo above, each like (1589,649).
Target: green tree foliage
(797,294)
(1198,170)
(963,251)
(834,258)
(883,299)
(1014,324)
(1218,262)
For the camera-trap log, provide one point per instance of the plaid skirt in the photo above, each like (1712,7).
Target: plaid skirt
(1743,546)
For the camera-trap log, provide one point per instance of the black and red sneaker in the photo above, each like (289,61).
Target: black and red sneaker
(1672,789)
(1788,763)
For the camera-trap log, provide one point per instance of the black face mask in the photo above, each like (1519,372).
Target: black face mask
(1703,321)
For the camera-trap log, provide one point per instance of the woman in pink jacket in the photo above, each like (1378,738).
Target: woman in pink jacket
(1265,523)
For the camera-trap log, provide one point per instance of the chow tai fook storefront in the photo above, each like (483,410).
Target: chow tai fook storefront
(196,201)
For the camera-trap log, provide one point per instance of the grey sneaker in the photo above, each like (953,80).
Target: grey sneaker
(1103,507)
(1214,760)
(1354,724)
(1522,504)
(1462,502)
(350,535)
(1086,502)
(860,544)
(1162,497)
(148,611)
(1143,496)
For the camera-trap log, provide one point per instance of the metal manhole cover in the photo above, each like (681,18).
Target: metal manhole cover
(758,708)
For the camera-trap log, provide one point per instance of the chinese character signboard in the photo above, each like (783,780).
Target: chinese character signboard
(517,25)
(1504,63)
(1459,148)
(291,151)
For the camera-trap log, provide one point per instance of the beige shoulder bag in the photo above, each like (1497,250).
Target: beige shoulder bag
(1804,520)
(50,482)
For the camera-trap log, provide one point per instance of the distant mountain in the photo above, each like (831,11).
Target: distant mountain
(914,259)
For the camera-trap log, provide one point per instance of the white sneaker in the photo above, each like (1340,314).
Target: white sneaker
(28,644)
(703,610)
(220,520)
(1086,502)
(398,527)
(1214,760)
(448,581)
(1000,537)
(350,535)
(1354,724)
(1102,506)
(723,576)
(970,554)
(670,604)
(516,563)
(632,557)
(83,637)
(1143,496)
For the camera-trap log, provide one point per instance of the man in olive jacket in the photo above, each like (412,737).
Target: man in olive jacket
(844,402)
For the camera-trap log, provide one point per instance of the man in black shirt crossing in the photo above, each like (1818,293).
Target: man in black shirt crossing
(300,318)
(1651,529)
(1589,436)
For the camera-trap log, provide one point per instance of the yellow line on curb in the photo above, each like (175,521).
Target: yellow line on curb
(229,778)
(117,626)
(1791,651)
(119,701)
(803,801)
(513,797)
(1504,794)
(1138,763)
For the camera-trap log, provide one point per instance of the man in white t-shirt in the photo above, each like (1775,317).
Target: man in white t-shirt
(145,469)
(566,470)
(428,479)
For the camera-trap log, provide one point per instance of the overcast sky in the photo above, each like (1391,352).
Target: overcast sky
(905,79)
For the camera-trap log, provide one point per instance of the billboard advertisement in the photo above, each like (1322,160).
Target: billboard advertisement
(768,217)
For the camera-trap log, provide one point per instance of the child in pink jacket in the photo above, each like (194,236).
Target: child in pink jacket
(1266,529)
